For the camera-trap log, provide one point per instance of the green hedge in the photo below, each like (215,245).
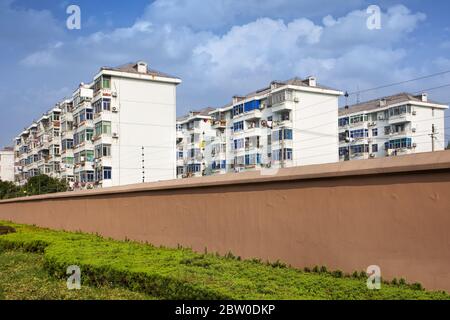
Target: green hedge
(183,274)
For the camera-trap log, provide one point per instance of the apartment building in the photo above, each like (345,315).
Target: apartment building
(288,123)
(37,148)
(7,164)
(115,130)
(395,125)
(193,132)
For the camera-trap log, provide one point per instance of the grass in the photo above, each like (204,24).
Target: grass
(183,274)
(24,277)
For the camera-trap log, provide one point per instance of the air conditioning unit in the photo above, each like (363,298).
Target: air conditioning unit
(115,109)
(373,155)
(115,135)
(296,100)
(414,145)
(413,129)
(414,113)
(82,159)
(114,94)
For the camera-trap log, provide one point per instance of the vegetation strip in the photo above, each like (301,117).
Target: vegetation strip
(183,274)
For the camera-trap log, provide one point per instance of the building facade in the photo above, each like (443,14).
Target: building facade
(395,125)
(116,130)
(289,123)
(7,164)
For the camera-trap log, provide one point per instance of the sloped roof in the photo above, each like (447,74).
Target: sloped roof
(375,104)
(202,112)
(132,68)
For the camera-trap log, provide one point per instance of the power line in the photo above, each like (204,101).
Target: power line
(401,82)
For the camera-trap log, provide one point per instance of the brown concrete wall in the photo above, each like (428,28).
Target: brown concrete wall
(394,213)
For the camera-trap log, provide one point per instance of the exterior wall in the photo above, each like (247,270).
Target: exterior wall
(315,129)
(200,127)
(310,113)
(146,118)
(6,165)
(417,126)
(390,212)
(141,112)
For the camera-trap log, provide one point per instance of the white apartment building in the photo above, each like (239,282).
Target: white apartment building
(7,164)
(395,125)
(116,130)
(289,123)
(193,132)
(37,148)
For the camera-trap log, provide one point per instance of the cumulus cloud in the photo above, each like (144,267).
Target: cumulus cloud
(221,48)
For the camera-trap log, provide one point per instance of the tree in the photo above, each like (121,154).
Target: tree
(8,190)
(448,146)
(43,184)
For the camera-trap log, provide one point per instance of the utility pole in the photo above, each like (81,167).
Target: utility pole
(433,136)
(143,165)
(282,148)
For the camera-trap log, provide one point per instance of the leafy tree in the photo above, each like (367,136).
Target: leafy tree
(8,190)
(43,184)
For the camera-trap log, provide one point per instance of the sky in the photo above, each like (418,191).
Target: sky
(219,48)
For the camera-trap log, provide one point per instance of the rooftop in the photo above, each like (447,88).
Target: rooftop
(192,114)
(132,67)
(389,100)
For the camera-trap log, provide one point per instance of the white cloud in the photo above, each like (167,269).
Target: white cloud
(216,58)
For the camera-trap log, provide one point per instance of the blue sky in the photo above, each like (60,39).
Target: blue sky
(219,48)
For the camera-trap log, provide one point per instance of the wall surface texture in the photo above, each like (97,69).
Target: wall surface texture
(393,212)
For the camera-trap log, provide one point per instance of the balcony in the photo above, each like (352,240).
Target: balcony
(406,117)
(283,106)
(219,124)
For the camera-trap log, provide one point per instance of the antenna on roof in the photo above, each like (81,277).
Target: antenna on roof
(358,94)
(346,99)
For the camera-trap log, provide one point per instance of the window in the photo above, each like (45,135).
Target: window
(106,84)
(107,104)
(180,154)
(87,176)
(343,122)
(237,110)
(238,126)
(363,148)
(399,143)
(282,154)
(343,151)
(103,150)
(180,170)
(97,106)
(107,173)
(362,133)
(400,110)
(67,144)
(89,134)
(358,119)
(239,144)
(103,127)
(89,114)
(251,105)
(374,148)
(192,168)
(375,132)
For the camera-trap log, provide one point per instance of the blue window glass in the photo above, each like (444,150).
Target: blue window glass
(107,173)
